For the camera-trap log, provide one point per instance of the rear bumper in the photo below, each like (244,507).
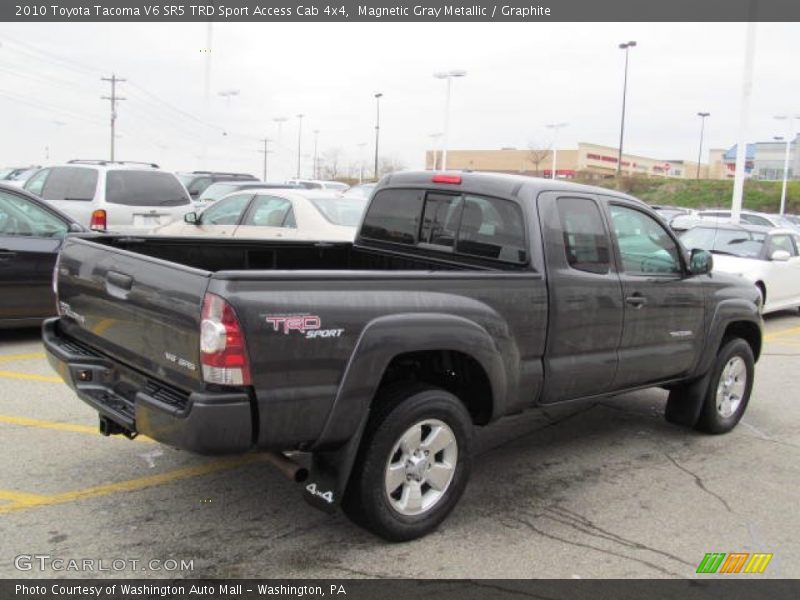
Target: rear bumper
(202,422)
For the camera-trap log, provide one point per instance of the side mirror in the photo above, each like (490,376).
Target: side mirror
(780,255)
(191,218)
(701,262)
(75,228)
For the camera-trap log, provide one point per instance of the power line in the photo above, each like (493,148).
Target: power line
(113,98)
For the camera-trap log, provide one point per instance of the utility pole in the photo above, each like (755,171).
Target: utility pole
(266,151)
(113,98)
(316,140)
(378,97)
(702,116)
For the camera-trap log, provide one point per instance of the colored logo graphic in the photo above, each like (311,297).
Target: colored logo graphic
(735,562)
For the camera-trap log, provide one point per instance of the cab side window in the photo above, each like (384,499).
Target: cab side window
(782,242)
(36,183)
(645,247)
(270,211)
(227,211)
(19,217)
(585,238)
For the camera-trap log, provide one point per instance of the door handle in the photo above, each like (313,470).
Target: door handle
(636,300)
(120,280)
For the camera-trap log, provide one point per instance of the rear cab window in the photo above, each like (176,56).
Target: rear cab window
(459,223)
(144,188)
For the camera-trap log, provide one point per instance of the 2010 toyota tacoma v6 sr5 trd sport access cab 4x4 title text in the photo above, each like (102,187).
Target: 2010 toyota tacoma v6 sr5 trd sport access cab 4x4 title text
(465,297)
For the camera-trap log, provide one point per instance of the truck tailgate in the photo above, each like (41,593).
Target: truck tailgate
(142,311)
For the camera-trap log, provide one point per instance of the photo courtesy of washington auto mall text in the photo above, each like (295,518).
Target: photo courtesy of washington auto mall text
(391,299)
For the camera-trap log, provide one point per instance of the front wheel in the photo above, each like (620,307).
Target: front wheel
(413,463)
(729,389)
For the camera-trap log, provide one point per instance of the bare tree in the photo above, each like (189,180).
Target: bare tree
(330,163)
(389,164)
(536,155)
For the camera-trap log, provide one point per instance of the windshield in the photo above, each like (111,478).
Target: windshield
(22,175)
(746,244)
(340,210)
(217,190)
(361,191)
(144,188)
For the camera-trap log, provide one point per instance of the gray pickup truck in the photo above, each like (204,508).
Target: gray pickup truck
(362,369)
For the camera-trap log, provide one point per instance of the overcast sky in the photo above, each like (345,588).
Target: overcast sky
(519,77)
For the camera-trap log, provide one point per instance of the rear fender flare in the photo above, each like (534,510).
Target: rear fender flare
(387,337)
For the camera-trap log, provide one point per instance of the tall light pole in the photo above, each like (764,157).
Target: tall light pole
(435,137)
(228,94)
(378,96)
(448,75)
(624,46)
(789,137)
(299,138)
(316,140)
(744,110)
(266,151)
(702,116)
(555,127)
(280,121)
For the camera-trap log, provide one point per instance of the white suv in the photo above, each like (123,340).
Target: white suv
(117,196)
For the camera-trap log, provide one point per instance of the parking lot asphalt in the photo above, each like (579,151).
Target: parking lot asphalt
(603,489)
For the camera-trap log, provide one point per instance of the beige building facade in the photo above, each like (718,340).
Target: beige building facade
(589,160)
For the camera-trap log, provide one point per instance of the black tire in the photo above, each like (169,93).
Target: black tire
(712,419)
(366,501)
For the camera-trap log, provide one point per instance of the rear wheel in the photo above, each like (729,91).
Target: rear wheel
(413,463)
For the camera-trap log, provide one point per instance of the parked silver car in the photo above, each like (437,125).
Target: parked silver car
(116,196)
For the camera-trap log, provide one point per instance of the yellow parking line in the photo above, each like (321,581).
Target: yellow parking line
(26,356)
(22,500)
(30,377)
(777,334)
(58,426)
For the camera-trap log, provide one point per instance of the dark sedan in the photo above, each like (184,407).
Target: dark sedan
(31,233)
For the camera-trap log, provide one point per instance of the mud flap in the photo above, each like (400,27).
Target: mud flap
(330,472)
(685,403)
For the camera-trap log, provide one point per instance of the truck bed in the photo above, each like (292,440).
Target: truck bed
(216,255)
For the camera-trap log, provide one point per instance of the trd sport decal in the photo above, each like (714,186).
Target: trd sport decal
(309,326)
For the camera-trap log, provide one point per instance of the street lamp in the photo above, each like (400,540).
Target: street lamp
(448,75)
(280,121)
(266,151)
(789,136)
(625,46)
(299,138)
(378,96)
(228,94)
(555,127)
(434,137)
(702,116)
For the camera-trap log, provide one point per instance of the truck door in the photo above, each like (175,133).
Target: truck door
(664,308)
(585,296)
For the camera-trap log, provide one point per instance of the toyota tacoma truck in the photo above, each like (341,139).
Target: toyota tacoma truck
(465,298)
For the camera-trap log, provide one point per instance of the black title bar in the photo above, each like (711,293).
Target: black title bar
(265,11)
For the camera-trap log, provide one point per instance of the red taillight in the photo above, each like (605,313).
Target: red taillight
(222,347)
(443,178)
(98,220)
